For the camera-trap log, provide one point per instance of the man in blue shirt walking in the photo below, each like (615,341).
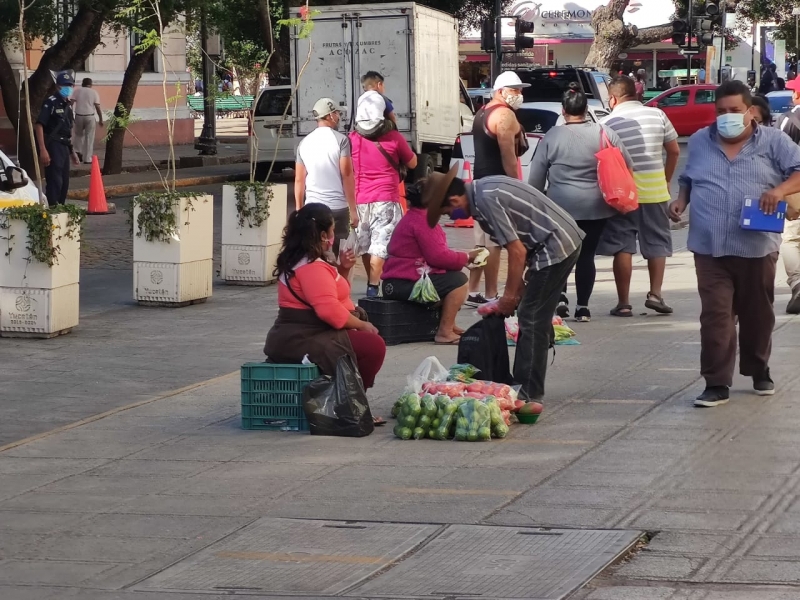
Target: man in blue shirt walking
(730,161)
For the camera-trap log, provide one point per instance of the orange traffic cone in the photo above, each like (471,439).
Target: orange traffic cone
(403,203)
(97,193)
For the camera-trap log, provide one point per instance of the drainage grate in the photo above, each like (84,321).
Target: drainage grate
(292,556)
(473,561)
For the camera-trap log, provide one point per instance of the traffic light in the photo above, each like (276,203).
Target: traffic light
(679,30)
(488,35)
(705,31)
(521,40)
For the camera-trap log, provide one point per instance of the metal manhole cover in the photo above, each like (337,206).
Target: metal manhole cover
(474,561)
(293,556)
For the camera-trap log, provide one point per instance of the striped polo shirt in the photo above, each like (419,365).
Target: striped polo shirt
(718,187)
(644,130)
(510,210)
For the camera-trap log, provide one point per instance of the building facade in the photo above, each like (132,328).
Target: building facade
(106,67)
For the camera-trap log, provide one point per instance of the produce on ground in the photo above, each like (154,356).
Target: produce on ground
(473,421)
(408,414)
(465,373)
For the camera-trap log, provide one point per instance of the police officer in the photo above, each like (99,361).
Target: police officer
(54,138)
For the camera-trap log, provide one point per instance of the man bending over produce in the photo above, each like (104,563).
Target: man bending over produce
(543,244)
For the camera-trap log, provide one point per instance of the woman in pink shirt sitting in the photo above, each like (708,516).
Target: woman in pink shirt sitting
(316,316)
(413,246)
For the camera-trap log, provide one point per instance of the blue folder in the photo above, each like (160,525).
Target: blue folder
(754,219)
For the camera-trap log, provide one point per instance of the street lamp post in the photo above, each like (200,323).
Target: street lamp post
(207,143)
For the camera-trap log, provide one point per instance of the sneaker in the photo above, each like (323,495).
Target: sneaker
(763,384)
(713,396)
(476,300)
(562,310)
(372,291)
(582,315)
(793,308)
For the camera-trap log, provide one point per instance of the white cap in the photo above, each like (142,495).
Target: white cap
(370,109)
(323,107)
(509,79)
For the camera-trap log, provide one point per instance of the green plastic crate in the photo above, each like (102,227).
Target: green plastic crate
(272,396)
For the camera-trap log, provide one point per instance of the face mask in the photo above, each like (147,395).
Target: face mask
(65,90)
(514,101)
(458,213)
(730,125)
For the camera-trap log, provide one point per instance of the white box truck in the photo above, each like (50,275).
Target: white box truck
(413,47)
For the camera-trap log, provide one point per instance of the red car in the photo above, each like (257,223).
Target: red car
(689,107)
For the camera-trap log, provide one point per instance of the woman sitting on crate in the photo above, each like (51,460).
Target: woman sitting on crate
(413,249)
(316,316)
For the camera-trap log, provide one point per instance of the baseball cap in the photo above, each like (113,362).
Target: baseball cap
(323,107)
(370,109)
(65,78)
(509,79)
(793,84)
(434,193)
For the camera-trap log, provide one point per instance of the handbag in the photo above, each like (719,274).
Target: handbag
(614,178)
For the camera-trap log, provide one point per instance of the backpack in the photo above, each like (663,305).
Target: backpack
(484,347)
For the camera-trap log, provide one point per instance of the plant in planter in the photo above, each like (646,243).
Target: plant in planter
(39,277)
(253,212)
(172,230)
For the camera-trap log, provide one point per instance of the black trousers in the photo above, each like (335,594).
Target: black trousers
(57,173)
(585,269)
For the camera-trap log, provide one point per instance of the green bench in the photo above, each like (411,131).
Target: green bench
(224,106)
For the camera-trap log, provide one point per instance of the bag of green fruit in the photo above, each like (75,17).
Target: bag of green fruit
(426,417)
(445,418)
(407,416)
(424,291)
(473,421)
(499,427)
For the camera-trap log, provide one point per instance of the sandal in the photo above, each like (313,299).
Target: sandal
(453,342)
(622,310)
(656,303)
(378,421)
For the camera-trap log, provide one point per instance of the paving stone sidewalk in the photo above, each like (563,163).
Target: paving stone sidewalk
(90,512)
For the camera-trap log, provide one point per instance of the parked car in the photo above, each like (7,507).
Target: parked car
(548,84)
(536,118)
(15,186)
(276,135)
(689,107)
(480,96)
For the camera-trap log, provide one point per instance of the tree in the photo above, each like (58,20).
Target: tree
(771,11)
(145,24)
(612,35)
(75,43)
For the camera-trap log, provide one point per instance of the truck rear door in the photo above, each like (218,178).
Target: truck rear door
(343,47)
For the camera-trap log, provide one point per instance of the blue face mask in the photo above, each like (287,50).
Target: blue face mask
(458,214)
(731,125)
(65,90)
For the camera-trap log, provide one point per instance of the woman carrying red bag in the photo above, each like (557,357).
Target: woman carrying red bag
(565,164)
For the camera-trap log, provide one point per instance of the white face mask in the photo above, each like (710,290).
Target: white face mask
(514,101)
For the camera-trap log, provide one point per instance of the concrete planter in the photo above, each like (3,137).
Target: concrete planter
(38,300)
(249,254)
(178,272)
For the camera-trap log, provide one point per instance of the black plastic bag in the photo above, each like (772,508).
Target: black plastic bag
(484,346)
(338,405)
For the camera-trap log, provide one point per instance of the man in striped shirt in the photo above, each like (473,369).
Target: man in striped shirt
(645,132)
(730,161)
(543,244)
(789,123)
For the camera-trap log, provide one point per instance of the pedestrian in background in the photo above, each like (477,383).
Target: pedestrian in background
(324,173)
(53,131)
(87,105)
(645,132)
(565,158)
(789,123)
(729,161)
(499,140)
(379,166)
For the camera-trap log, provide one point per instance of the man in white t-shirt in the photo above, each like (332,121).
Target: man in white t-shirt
(87,104)
(324,171)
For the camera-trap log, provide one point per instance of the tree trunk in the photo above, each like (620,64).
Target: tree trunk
(55,58)
(112,164)
(8,88)
(612,35)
